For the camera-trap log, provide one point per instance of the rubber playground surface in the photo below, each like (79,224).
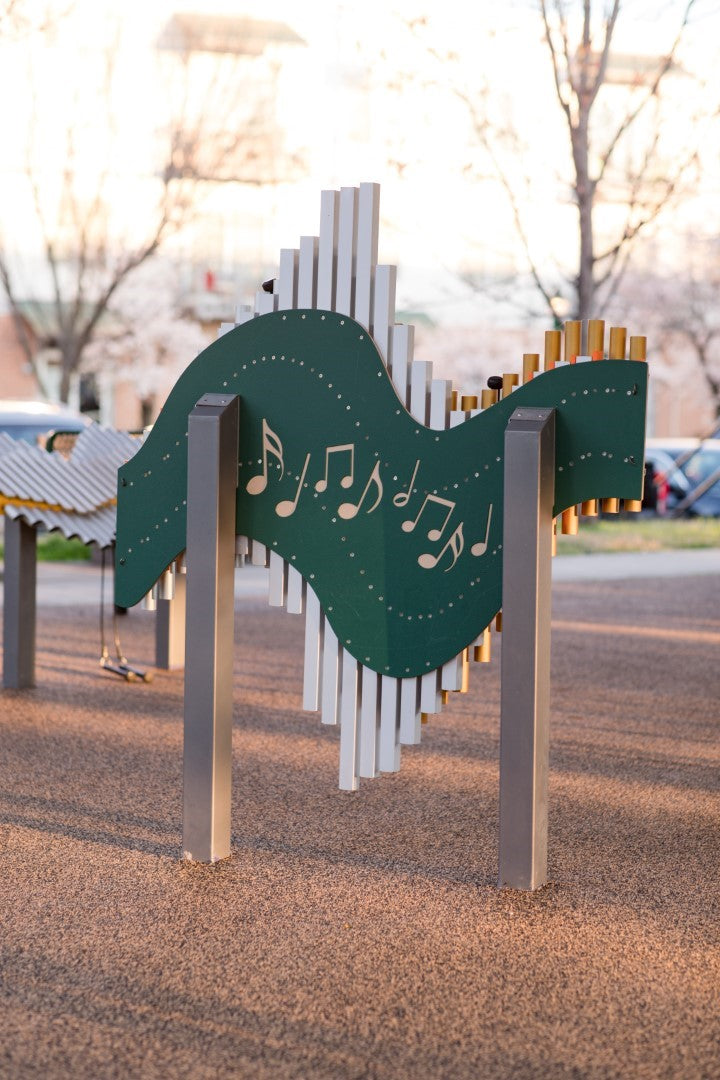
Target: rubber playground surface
(362,935)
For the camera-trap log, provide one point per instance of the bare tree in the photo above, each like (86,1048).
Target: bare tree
(82,259)
(89,246)
(580,71)
(620,152)
(152,339)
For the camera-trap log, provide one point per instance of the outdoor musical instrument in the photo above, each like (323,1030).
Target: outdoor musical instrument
(396,584)
(396,526)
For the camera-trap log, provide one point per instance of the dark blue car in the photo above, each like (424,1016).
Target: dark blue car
(692,470)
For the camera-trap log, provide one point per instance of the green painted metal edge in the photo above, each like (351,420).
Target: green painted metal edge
(397,527)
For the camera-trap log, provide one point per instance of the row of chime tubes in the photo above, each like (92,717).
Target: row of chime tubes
(595,350)
(462,407)
(499,386)
(164,587)
(479,651)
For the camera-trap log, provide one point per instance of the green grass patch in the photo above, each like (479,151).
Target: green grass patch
(52,547)
(640,534)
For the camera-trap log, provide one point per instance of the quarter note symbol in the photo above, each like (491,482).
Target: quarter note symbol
(481,546)
(270,444)
(349,510)
(402,498)
(347,480)
(455,543)
(433,534)
(287,507)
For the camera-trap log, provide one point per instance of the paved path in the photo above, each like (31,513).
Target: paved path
(688,562)
(62,584)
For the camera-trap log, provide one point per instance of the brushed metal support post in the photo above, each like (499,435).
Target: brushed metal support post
(170,629)
(19,604)
(525,666)
(207,761)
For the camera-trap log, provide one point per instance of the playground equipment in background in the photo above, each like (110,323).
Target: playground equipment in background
(70,490)
(397,527)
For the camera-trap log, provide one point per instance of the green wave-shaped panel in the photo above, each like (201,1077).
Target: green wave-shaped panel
(396,526)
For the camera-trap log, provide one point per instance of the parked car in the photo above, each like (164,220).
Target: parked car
(33,420)
(696,461)
(665,483)
(699,469)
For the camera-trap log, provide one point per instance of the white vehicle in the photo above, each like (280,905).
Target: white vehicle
(33,420)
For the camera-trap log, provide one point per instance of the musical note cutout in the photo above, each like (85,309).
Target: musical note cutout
(455,543)
(433,534)
(349,510)
(402,498)
(287,507)
(347,480)
(270,444)
(481,546)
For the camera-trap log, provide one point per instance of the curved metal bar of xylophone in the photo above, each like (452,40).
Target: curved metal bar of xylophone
(396,526)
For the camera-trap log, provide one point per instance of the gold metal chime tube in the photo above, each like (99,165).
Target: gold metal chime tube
(616,351)
(595,350)
(481,652)
(491,395)
(616,348)
(572,345)
(609,506)
(596,339)
(531,363)
(552,348)
(573,341)
(569,521)
(509,382)
(638,348)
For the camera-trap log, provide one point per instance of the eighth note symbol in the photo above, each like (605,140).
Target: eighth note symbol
(481,546)
(270,443)
(349,510)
